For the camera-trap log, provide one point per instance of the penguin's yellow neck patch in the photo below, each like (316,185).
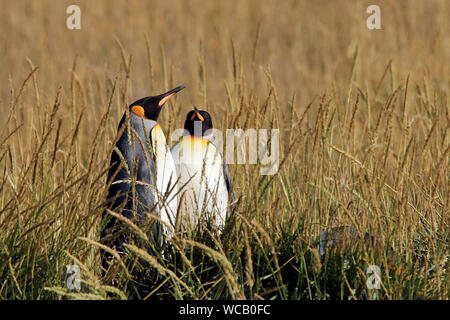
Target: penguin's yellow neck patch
(139,111)
(195,139)
(158,141)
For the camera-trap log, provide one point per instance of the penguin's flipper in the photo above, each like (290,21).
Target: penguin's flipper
(229,185)
(228,181)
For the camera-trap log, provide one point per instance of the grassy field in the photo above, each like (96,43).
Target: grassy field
(364,141)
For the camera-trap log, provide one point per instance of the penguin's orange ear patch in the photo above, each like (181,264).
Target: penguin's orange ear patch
(164,100)
(138,110)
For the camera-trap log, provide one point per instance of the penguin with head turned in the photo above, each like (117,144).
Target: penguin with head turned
(142,174)
(205,188)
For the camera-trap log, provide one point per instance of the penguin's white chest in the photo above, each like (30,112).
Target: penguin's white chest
(203,192)
(166,177)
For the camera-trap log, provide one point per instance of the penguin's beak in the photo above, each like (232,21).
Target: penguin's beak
(169,94)
(197,113)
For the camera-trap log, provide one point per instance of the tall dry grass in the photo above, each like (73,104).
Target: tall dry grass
(363,118)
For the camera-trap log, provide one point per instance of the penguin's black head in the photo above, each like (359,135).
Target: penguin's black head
(150,107)
(198,117)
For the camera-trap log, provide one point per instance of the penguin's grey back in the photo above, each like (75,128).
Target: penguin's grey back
(133,154)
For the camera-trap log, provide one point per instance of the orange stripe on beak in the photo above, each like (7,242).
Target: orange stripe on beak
(164,100)
(198,116)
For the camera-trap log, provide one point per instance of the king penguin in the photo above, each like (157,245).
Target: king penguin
(142,175)
(205,189)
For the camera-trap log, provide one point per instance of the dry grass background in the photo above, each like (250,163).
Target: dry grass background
(364,122)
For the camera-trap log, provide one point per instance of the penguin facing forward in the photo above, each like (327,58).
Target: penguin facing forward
(205,188)
(142,175)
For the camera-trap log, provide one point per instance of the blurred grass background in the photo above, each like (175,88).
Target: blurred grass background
(308,46)
(364,122)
